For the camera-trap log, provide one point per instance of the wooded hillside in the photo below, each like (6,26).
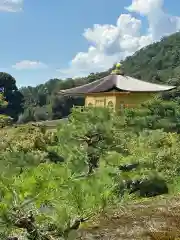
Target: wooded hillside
(159,62)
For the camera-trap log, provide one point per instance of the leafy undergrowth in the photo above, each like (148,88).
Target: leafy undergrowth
(25,138)
(92,163)
(153,219)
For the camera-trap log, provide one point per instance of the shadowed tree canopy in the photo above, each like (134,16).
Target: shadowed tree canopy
(12,95)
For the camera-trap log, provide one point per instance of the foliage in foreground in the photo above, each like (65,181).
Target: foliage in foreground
(51,182)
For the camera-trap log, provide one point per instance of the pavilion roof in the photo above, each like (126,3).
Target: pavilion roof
(118,82)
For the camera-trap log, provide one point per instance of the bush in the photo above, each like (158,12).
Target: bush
(83,167)
(5,121)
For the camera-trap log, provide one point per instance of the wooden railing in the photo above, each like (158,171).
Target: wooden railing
(81,108)
(84,108)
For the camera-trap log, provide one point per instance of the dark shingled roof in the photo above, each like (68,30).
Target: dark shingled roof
(119,82)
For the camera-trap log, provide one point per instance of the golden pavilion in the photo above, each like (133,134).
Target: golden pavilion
(116,91)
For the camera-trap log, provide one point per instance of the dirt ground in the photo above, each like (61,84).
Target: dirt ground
(156,219)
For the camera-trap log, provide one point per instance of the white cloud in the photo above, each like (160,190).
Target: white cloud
(11,5)
(160,23)
(145,7)
(112,43)
(26,64)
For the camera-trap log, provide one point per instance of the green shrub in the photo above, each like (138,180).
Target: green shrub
(48,172)
(5,121)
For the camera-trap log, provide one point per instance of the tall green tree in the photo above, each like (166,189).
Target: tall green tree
(12,95)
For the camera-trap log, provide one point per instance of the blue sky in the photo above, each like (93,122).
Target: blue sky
(43,39)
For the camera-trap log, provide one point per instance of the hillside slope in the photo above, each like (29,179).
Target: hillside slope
(157,62)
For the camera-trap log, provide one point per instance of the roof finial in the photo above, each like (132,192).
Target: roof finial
(118,69)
